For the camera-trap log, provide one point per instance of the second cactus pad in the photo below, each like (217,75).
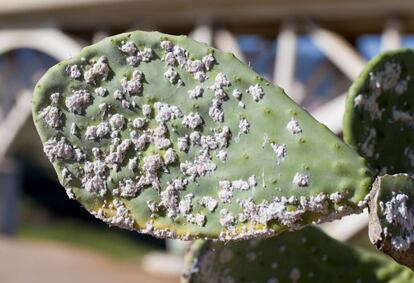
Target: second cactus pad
(302,256)
(379,117)
(168,136)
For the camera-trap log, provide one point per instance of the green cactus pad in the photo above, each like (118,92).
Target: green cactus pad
(391,211)
(379,116)
(307,255)
(167,136)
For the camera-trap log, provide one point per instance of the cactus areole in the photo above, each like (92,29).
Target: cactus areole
(168,136)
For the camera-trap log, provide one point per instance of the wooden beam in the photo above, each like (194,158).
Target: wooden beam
(331,113)
(47,40)
(391,36)
(202,33)
(225,41)
(14,121)
(339,51)
(285,60)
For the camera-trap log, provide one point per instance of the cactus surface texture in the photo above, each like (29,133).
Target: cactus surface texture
(308,255)
(168,136)
(379,116)
(391,211)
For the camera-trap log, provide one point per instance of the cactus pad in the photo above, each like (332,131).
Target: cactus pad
(391,211)
(307,255)
(167,136)
(379,116)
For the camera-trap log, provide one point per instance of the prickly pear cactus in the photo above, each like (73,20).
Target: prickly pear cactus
(307,255)
(167,136)
(391,211)
(379,116)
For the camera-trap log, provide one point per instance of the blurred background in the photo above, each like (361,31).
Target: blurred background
(313,49)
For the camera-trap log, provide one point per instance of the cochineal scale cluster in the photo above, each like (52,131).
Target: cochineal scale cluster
(391,212)
(167,136)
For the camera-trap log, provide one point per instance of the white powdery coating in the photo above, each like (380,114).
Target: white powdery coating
(215,111)
(201,166)
(301,180)
(200,220)
(73,71)
(244,126)
(134,85)
(169,156)
(294,275)
(166,112)
(180,55)
(54,98)
(220,81)
(336,197)
(256,92)
(57,150)
(99,69)
(185,205)
(208,61)
(51,116)
(139,123)
(237,94)
(119,216)
(152,163)
(243,185)
(277,209)
(100,91)
(76,103)
(117,121)
(208,202)
(67,177)
(99,131)
(133,163)
(169,58)
(94,184)
(169,200)
(182,144)
(146,110)
(222,136)
(399,215)
(225,195)
(145,55)
(222,155)
(280,151)
(192,120)
(195,138)
(171,75)
(128,188)
(367,147)
(194,66)
(128,47)
(293,127)
(195,93)
(402,86)
(118,94)
(166,45)
(227,220)
(402,116)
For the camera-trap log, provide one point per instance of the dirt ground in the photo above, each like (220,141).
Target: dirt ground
(23,261)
